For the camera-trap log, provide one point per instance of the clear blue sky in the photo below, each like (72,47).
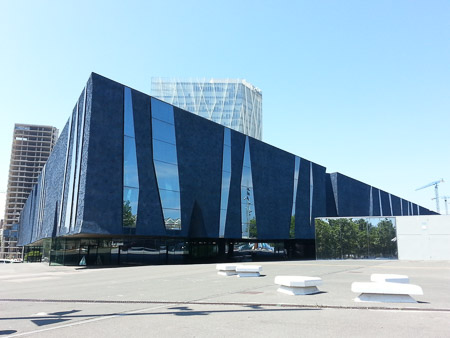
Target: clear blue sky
(361,87)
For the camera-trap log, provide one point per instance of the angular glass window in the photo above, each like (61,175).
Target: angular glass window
(73,150)
(311,192)
(165,163)
(128,119)
(163,131)
(226,178)
(170,199)
(381,206)
(294,198)
(225,191)
(172,219)
(130,207)
(130,168)
(248,216)
(167,176)
(247,162)
(226,163)
(247,177)
(165,152)
(390,205)
(162,111)
(227,137)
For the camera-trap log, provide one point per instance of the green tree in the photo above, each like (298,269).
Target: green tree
(252,229)
(387,238)
(129,220)
(363,238)
(292,227)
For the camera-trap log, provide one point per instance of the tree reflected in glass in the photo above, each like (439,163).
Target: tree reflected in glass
(347,238)
(129,219)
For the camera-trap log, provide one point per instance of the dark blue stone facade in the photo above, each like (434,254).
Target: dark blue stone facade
(81,192)
(354,198)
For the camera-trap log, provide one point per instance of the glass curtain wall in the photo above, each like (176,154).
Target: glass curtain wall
(248,216)
(294,198)
(130,169)
(356,238)
(226,177)
(166,163)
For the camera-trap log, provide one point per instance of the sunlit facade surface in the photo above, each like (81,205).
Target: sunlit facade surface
(135,180)
(233,103)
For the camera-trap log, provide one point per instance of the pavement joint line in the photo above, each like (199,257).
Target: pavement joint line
(86,321)
(290,305)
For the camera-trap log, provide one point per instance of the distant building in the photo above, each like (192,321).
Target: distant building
(233,103)
(31,147)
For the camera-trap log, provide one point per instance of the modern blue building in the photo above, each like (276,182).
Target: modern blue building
(134,180)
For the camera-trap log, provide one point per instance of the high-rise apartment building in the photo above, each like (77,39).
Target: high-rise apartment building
(31,147)
(234,103)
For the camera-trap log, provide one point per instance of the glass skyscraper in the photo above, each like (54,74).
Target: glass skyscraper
(233,103)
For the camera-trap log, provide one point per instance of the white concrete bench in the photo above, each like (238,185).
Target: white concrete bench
(386,292)
(378,277)
(248,270)
(298,285)
(226,269)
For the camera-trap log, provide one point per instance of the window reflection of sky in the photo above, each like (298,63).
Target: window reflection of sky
(163,131)
(164,152)
(166,163)
(162,111)
(247,199)
(131,195)
(226,178)
(167,176)
(130,168)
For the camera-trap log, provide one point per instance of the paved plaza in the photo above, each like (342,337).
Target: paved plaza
(38,300)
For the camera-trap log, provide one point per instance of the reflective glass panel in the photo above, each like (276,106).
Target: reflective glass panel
(247,162)
(381,206)
(163,131)
(356,238)
(172,219)
(223,218)
(130,206)
(226,159)
(130,170)
(226,178)
(170,199)
(390,204)
(296,171)
(164,151)
(162,111)
(73,146)
(247,177)
(128,122)
(227,137)
(247,212)
(311,192)
(248,217)
(167,176)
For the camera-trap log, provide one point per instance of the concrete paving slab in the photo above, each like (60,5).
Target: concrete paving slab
(192,300)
